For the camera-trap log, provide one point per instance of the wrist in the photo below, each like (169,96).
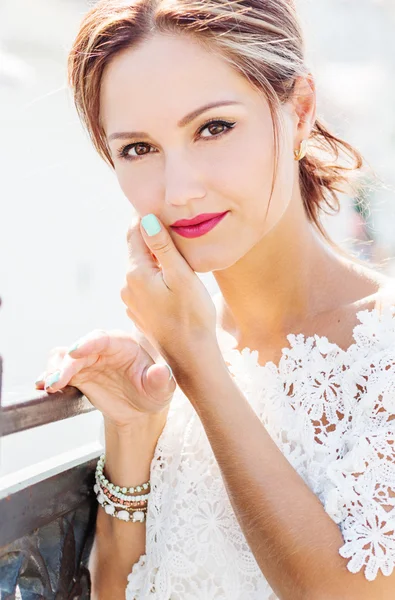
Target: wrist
(141,424)
(129,450)
(201,360)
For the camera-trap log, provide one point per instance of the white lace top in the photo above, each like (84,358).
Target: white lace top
(332,414)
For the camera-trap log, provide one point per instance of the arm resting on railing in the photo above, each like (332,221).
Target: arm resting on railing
(118,545)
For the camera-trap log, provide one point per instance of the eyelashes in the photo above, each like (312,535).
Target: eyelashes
(227,124)
(123,153)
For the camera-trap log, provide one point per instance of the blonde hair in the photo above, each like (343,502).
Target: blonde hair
(261,39)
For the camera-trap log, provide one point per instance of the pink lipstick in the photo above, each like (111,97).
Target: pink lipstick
(192,228)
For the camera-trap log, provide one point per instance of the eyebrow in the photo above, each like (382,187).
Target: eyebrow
(122,135)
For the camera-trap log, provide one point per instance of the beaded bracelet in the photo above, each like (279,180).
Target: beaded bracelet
(120,499)
(113,497)
(111,492)
(138,515)
(112,486)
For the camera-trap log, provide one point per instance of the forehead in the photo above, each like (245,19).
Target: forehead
(166,75)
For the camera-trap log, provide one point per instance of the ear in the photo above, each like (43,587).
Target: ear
(305,106)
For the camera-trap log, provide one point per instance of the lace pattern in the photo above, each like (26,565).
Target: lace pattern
(332,414)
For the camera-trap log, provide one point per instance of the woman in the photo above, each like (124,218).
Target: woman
(271,472)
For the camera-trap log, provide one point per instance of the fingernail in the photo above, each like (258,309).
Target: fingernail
(72,348)
(171,371)
(52,379)
(151,224)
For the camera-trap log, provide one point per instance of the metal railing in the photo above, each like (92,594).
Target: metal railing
(47,511)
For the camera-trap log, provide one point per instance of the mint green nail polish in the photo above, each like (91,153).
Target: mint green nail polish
(73,348)
(151,224)
(52,379)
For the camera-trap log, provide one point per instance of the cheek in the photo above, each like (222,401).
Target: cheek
(246,177)
(141,191)
(242,171)
(274,203)
(248,184)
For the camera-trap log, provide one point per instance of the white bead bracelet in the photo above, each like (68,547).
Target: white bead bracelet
(123,515)
(115,501)
(116,488)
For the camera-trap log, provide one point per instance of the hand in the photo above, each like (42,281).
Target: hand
(164,297)
(115,373)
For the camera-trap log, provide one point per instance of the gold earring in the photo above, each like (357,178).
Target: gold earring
(301,153)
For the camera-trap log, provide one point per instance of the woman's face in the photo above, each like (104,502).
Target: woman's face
(178,159)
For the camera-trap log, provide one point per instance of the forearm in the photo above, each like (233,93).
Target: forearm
(293,539)
(118,545)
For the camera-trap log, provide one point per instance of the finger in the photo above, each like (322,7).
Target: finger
(55,358)
(61,377)
(54,362)
(105,343)
(67,372)
(39,383)
(84,353)
(95,342)
(41,378)
(159,241)
(139,254)
(54,381)
(159,382)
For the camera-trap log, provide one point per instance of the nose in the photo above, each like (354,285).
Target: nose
(182,183)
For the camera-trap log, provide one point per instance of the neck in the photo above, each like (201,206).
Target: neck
(290,276)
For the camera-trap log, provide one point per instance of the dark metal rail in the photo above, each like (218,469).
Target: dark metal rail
(48,511)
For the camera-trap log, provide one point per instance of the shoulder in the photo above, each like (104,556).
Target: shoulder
(374,332)
(376,316)
(378,289)
(372,357)
(385,297)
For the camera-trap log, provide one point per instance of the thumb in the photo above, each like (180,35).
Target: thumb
(160,243)
(159,382)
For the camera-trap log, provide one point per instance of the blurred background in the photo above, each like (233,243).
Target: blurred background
(63,218)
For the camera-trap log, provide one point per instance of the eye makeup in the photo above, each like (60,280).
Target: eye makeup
(123,152)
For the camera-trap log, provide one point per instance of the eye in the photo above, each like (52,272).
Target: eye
(216,128)
(140,148)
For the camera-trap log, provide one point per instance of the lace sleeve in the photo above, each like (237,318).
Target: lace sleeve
(361,496)
(136,579)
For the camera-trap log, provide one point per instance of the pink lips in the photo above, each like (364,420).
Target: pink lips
(198,226)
